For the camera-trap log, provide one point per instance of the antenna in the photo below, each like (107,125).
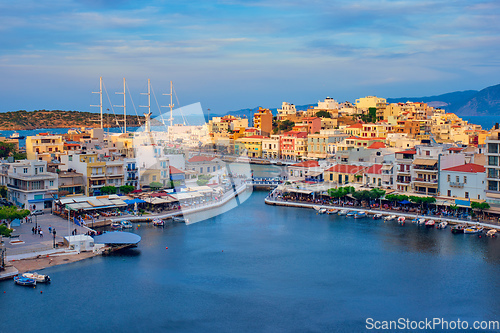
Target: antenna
(124,106)
(100,98)
(171,105)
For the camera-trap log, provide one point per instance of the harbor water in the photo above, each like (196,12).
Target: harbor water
(260,268)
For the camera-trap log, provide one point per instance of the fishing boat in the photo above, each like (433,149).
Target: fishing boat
(322,211)
(475,229)
(158,222)
(421,221)
(24,281)
(126,224)
(178,219)
(390,217)
(458,229)
(360,215)
(442,225)
(317,208)
(415,220)
(37,277)
(343,212)
(377,216)
(332,211)
(351,213)
(401,220)
(430,223)
(116,225)
(16,136)
(492,233)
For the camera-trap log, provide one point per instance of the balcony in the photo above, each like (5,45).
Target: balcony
(455,184)
(424,168)
(98,175)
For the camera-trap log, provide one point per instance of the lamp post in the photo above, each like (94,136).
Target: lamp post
(54,240)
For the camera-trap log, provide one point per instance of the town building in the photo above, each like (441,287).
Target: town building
(466,181)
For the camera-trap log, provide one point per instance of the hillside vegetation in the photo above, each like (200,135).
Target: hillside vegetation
(27,120)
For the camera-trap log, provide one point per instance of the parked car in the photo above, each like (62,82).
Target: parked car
(37,212)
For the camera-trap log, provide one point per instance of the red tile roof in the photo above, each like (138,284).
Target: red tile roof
(251,130)
(374,169)
(356,126)
(377,145)
(471,167)
(342,168)
(456,148)
(412,152)
(174,170)
(199,158)
(307,164)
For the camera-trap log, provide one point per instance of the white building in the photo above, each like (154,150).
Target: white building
(286,110)
(467,181)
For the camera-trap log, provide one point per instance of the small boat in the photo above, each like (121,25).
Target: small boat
(421,221)
(16,136)
(343,212)
(322,211)
(442,225)
(24,281)
(332,211)
(377,216)
(351,213)
(158,222)
(179,219)
(415,220)
(458,229)
(390,217)
(317,208)
(401,220)
(126,224)
(360,215)
(492,233)
(430,223)
(473,229)
(116,225)
(37,277)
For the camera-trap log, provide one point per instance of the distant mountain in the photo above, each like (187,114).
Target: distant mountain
(464,103)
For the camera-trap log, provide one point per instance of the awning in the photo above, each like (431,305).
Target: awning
(386,166)
(133,201)
(428,162)
(296,190)
(314,174)
(117,237)
(40,200)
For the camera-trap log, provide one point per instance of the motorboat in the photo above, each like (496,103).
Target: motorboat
(421,221)
(351,213)
(458,229)
(332,211)
(430,223)
(390,217)
(41,278)
(415,220)
(360,215)
(401,220)
(377,216)
(116,225)
(24,281)
(158,222)
(322,211)
(178,219)
(16,136)
(492,233)
(475,229)
(317,208)
(343,212)
(126,224)
(442,225)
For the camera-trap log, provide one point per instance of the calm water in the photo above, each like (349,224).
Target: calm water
(260,268)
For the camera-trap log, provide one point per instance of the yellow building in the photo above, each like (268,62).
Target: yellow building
(249,146)
(44,146)
(367,102)
(344,174)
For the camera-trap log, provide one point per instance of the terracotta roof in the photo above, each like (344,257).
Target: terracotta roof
(199,158)
(356,126)
(174,170)
(456,148)
(377,145)
(375,169)
(412,152)
(307,164)
(471,167)
(251,130)
(342,168)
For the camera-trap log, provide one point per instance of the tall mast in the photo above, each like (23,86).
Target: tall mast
(100,98)
(147,127)
(171,105)
(124,106)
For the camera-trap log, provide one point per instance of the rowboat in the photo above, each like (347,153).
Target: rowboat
(473,229)
(116,225)
(351,213)
(37,277)
(458,229)
(430,223)
(359,215)
(158,222)
(442,225)
(126,224)
(24,281)
(322,211)
(401,220)
(421,221)
(377,216)
(343,212)
(492,233)
(390,217)
(332,211)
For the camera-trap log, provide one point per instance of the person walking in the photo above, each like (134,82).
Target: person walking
(41,233)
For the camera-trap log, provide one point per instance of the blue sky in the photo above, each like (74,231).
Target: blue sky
(233,54)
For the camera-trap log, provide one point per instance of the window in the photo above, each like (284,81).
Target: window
(25,170)
(154,177)
(449,178)
(427,153)
(458,179)
(465,179)
(41,169)
(449,193)
(467,195)
(70,158)
(493,160)
(51,183)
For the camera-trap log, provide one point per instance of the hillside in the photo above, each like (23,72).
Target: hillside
(27,120)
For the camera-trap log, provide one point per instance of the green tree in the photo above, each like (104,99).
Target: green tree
(286,125)
(108,190)
(481,206)
(11,213)
(5,231)
(323,114)
(155,186)
(3,191)
(126,189)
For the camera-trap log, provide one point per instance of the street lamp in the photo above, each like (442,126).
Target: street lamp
(54,241)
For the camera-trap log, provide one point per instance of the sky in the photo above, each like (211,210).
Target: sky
(234,54)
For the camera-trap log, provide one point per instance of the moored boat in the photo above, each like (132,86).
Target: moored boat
(158,222)
(492,233)
(126,224)
(116,225)
(37,277)
(343,212)
(390,217)
(322,211)
(377,216)
(430,223)
(351,213)
(360,215)
(442,225)
(24,281)
(401,220)
(458,229)
(332,211)
(421,221)
(474,229)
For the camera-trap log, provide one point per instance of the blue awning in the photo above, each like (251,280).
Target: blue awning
(133,201)
(117,237)
(40,200)
(405,202)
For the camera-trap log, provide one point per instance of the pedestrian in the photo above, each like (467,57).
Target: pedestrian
(33,230)
(50,229)
(41,233)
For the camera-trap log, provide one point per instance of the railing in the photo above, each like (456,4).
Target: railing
(422,168)
(455,184)
(423,180)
